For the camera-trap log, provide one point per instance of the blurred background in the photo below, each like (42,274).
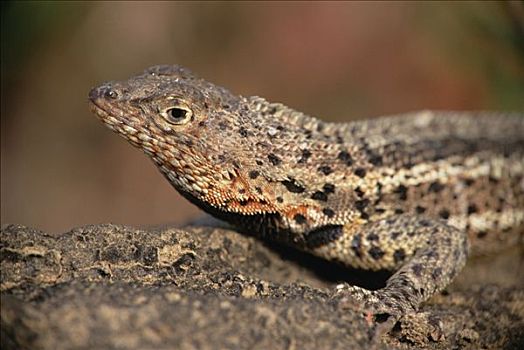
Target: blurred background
(60,167)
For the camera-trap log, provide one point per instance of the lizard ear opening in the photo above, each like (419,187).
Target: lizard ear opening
(177,115)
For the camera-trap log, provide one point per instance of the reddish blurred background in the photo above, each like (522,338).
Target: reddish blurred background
(61,168)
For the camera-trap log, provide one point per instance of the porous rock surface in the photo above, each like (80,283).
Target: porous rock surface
(209,287)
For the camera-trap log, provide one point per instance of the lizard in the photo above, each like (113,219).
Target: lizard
(414,193)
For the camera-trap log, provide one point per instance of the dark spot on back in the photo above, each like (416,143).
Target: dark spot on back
(399,211)
(376,253)
(222,125)
(425,223)
(395,234)
(241,190)
(328,188)
(431,254)
(345,157)
(379,188)
(402,192)
(469,182)
(323,235)
(375,159)
(435,274)
(293,186)
(360,172)
(299,219)
(242,131)
(372,237)
(326,170)
(259,162)
(444,213)
(280,199)
(305,156)
(274,159)
(359,192)
(258,189)
(482,234)
(328,212)
(399,255)
(492,180)
(253,174)
(361,204)
(435,187)
(319,196)
(390,221)
(356,245)
(417,269)
(419,209)
(472,208)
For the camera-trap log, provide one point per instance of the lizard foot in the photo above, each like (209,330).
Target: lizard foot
(386,313)
(373,302)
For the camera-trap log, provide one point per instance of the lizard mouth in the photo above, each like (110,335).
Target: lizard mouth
(104,103)
(105,107)
(98,110)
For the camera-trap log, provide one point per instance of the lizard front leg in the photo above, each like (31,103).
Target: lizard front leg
(426,254)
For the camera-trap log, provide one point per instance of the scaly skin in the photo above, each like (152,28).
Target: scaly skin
(408,193)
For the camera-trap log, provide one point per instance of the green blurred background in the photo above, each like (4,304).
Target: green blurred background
(61,168)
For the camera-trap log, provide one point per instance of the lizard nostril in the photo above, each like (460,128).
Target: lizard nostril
(104,91)
(110,93)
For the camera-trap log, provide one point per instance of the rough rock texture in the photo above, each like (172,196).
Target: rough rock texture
(200,287)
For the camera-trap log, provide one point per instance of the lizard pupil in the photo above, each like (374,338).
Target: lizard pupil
(178,115)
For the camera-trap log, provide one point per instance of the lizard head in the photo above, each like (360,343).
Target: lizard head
(235,157)
(185,124)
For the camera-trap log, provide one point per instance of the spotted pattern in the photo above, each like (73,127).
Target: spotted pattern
(323,236)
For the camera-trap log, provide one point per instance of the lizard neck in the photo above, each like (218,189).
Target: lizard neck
(264,226)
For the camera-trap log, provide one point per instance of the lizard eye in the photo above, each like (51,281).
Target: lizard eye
(177,115)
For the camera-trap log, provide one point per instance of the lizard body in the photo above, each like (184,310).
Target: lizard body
(407,193)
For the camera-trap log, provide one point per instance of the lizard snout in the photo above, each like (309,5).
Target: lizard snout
(106,91)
